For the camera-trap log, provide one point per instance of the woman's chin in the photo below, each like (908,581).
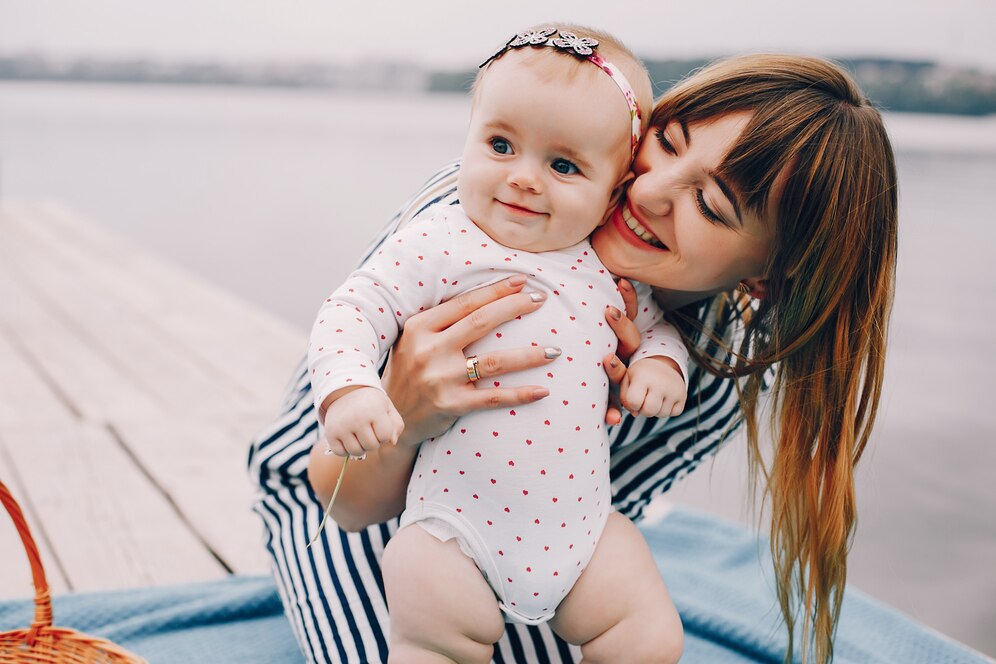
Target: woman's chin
(620,249)
(616,255)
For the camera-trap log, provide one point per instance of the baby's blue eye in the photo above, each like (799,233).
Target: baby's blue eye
(564,167)
(501,146)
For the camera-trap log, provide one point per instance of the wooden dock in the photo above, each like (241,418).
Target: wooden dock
(129,390)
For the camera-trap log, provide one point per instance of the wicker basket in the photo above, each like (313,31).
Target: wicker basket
(43,643)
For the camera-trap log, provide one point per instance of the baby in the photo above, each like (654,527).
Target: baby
(523,493)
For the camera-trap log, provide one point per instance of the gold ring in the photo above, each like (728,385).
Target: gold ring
(473,369)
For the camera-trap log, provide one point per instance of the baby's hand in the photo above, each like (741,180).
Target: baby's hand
(653,387)
(360,421)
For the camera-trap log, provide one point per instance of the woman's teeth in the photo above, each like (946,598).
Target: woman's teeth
(640,231)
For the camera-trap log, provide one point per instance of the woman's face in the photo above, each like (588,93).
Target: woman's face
(682,228)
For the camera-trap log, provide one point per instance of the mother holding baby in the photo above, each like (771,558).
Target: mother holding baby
(790,267)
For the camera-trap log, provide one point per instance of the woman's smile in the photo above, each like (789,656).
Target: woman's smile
(628,219)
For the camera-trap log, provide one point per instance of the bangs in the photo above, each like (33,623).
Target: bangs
(790,130)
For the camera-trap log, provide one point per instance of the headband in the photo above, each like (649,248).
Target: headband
(582,48)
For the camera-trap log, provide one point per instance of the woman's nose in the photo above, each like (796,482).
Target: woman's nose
(652,194)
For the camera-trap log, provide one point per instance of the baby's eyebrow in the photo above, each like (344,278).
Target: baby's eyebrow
(498,125)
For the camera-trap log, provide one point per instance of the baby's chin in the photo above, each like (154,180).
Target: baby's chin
(533,243)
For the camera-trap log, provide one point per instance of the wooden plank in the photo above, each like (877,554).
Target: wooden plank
(25,394)
(25,397)
(97,387)
(134,343)
(15,573)
(128,395)
(108,523)
(201,465)
(253,349)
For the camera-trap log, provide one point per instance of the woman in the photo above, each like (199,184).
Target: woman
(768,174)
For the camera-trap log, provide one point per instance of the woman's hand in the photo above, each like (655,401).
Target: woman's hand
(629,339)
(426,379)
(426,376)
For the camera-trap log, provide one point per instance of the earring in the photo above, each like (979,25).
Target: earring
(744,287)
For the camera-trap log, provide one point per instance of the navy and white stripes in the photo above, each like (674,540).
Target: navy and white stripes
(333,592)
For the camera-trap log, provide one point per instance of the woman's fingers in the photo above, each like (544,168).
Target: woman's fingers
(615,369)
(502,397)
(446,314)
(629,297)
(626,331)
(482,320)
(426,377)
(501,362)
(613,416)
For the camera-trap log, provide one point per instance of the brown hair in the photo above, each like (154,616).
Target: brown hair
(610,48)
(824,320)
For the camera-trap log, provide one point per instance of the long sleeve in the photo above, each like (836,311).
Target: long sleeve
(362,319)
(658,338)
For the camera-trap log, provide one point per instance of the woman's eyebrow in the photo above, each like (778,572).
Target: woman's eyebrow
(728,192)
(723,186)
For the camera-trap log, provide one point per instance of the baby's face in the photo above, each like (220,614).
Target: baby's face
(548,149)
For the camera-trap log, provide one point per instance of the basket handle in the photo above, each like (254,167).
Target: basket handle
(43,601)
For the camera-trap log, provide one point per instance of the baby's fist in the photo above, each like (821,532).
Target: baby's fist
(653,387)
(360,421)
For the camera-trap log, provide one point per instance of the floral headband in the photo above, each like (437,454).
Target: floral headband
(584,49)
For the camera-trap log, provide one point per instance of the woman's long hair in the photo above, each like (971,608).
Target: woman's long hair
(824,320)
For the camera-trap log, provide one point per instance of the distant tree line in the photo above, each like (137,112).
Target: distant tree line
(894,85)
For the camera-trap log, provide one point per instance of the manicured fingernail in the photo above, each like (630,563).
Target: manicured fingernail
(537,296)
(517,280)
(614,363)
(615,313)
(625,285)
(551,352)
(540,392)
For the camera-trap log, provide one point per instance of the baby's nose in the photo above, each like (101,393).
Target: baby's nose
(524,177)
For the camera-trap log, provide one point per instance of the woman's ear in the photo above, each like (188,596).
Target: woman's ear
(617,195)
(758,287)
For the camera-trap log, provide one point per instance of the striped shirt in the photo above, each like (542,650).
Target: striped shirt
(333,592)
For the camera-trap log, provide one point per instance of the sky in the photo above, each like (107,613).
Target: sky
(458,34)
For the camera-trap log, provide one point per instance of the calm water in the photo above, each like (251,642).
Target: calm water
(273,194)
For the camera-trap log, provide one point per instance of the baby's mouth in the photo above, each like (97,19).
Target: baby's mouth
(639,230)
(519,209)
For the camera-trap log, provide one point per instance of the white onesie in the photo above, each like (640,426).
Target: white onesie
(525,491)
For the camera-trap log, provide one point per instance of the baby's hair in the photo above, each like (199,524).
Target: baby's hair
(609,47)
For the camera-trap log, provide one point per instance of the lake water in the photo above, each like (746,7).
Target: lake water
(274,193)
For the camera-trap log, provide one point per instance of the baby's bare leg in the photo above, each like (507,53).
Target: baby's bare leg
(442,609)
(619,609)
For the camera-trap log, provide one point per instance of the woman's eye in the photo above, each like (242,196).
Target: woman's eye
(501,146)
(662,139)
(704,209)
(564,167)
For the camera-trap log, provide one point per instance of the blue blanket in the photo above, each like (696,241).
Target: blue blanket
(718,575)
